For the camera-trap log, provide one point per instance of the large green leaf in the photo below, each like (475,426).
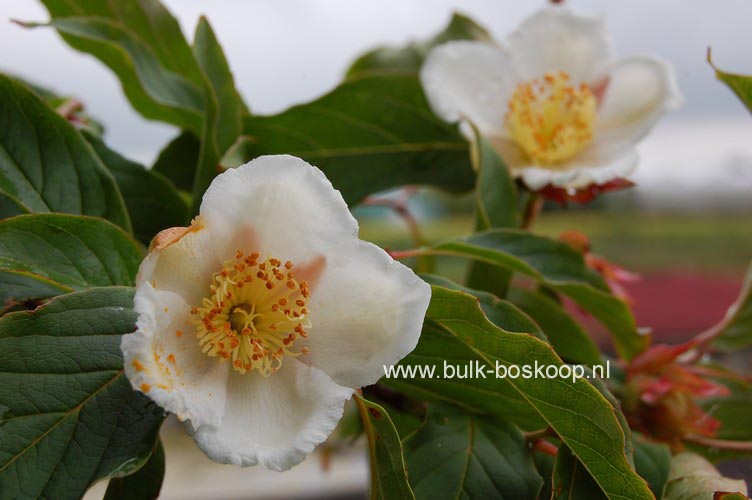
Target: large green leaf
(67,106)
(368,135)
(556,265)
(736,329)
(458,455)
(11,206)
(495,207)
(178,160)
(68,416)
(137,42)
(153,201)
(571,480)
(457,332)
(501,313)
(223,109)
(694,478)
(144,484)
(410,58)
(570,341)
(148,19)
(67,251)
(652,462)
(388,471)
(45,164)
(18,286)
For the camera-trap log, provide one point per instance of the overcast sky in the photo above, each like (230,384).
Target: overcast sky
(287,52)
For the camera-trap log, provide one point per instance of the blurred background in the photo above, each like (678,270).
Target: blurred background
(686,228)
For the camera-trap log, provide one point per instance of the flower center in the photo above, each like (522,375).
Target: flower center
(253,315)
(551,119)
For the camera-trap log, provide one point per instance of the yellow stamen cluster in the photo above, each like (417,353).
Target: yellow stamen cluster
(551,119)
(253,315)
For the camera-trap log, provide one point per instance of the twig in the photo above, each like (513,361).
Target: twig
(722,444)
(533,207)
(371,439)
(400,206)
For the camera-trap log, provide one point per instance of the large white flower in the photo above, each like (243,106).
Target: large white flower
(551,100)
(257,322)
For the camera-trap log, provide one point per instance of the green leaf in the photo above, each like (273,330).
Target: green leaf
(734,412)
(741,85)
(653,463)
(388,471)
(495,207)
(457,455)
(736,329)
(145,47)
(68,416)
(144,484)
(568,338)
(148,19)
(153,90)
(223,109)
(238,153)
(694,478)
(500,312)
(72,251)
(45,164)
(572,480)
(456,332)
(409,59)
(368,135)
(66,106)
(178,160)
(496,192)
(153,201)
(556,265)
(20,286)
(11,206)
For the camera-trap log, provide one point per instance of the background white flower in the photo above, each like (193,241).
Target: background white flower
(551,100)
(258,321)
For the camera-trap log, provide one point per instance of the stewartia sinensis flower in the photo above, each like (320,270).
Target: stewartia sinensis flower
(257,322)
(551,100)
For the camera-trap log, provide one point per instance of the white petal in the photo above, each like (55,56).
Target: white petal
(640,90)
(184,267)
(275,421)
(277,205)
(472,80)
(597,164)
(367,311)
(556,39)
(163,359)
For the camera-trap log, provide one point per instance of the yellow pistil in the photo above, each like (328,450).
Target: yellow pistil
(551,119)
(254,313)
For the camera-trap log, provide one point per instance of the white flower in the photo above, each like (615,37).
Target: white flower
(257,322)
(551,100)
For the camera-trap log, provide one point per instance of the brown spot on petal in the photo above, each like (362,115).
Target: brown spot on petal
(172,235)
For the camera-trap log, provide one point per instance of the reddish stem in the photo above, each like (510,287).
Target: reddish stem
(546,447)
(400,207)
(722,444)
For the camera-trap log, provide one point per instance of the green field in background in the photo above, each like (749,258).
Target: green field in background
(643,242)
